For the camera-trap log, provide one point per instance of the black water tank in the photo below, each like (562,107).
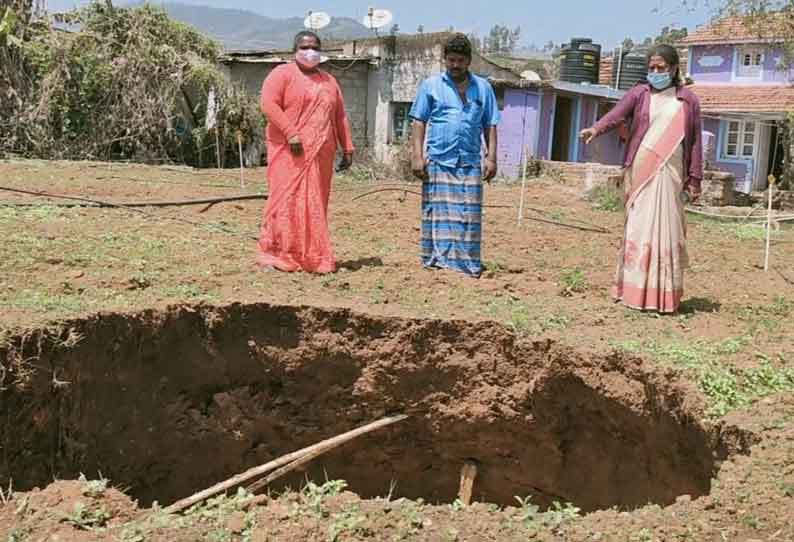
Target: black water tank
(633,69)
(579,61)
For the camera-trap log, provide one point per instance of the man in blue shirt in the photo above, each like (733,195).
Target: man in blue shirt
(460,109)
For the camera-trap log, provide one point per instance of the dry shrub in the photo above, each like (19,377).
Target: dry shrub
(127,83)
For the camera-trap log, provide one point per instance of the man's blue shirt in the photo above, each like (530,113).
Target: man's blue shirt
(455,130)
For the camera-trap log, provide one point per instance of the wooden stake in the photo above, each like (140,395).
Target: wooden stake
(280,462)
(467,475)
(240,147)
(523,185)
(769,223)
(218,147)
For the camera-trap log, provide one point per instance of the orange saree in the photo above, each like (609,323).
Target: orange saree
(294,233)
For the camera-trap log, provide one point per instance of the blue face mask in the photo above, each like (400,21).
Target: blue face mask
(660,81)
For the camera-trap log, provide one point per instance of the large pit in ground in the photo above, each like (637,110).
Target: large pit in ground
(167,403)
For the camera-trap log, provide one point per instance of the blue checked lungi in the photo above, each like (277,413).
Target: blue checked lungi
(452,218)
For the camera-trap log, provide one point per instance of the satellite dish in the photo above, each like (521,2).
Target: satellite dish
(317,20)
(377,18)
(529,75)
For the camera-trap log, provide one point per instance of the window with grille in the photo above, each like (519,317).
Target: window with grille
(750,63)
(401,122)
(740,137)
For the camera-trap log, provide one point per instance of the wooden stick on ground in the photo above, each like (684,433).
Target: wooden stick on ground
(467,475)
(280,462)
(286,469)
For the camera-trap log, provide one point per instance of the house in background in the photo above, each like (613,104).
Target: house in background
(545,118)
(744,90)
(379,78)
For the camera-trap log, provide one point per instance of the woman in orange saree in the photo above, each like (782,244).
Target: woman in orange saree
(306,122)
(663,169)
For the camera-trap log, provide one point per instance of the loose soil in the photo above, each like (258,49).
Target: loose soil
(525,371)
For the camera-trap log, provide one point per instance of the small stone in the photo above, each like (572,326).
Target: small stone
(236,523)
(683,499)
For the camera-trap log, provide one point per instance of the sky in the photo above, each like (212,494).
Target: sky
(541,21)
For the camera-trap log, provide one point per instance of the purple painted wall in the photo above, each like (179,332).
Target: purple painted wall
(715,65)
(738,168)
(712,64)
(519,127)
(772,71)
(546,128)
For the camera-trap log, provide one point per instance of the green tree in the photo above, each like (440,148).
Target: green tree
(501,39)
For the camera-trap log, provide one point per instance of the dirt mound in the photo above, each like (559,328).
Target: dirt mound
(66,511)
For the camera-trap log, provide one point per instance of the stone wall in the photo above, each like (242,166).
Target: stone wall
(352,77)
(577,172)
(717,189)
(782,200)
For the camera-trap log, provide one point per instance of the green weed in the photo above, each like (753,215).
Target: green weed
(606,198)
(313,496)
(573,281)
(348,521)
(554,518)
(38,301)
(215,513)
(18,534)
(726,387)
(747,232)
(191,292)
(85,518)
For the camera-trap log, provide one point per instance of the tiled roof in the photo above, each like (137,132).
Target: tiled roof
(745,99)
(738,30)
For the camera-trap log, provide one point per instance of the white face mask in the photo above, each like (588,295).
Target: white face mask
(308,58)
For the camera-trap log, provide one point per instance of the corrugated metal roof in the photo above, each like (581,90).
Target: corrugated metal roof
(599,91)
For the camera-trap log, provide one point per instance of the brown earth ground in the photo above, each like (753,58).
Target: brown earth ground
(732,340)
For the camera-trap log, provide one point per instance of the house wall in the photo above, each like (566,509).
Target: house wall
(528,118)
(397,79)
(711,64)
(715,64)
(405,63)
(740,169)
(519,127)
(352,79)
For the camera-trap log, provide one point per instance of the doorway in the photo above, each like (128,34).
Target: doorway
(563,117)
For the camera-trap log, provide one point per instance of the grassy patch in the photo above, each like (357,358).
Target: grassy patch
(573,281)
(42,302)
(191,292)
(726,387)
(524,319)
(606,198)
(554,518)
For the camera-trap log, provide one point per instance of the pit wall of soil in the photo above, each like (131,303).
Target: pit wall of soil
(167,403)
